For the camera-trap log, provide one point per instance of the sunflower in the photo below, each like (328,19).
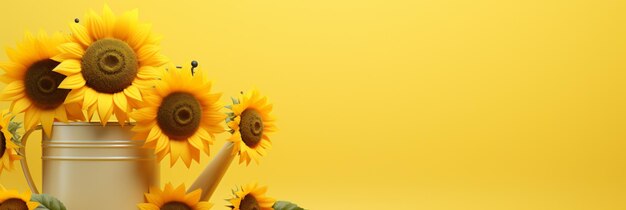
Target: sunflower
(8,148)
(107,61)
(251,197)
(174,199)
(250,122)
(11,199)
(32,85)
(179,116)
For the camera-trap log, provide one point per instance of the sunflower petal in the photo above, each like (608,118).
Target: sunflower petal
(20,105)
(139,36)
(133,92)
(108,20)
(70,50)
(147,52)
(105,107)
(120,101)
(68,67)
(157,60)
(47,117)
(13,91)
(60,114)
(125,24)
(73,82)
(95,24)
(80,34)
(31,118)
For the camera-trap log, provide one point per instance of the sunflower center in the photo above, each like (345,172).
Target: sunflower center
(251,127)
(175,205)
(40,85)
(13,204)
(3,144)
(109,65)
(179,115)
(249,203)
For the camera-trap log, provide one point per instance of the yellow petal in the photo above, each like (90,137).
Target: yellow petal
(122,116)
(105,107)
(147,51)
(90,97)
(196,142)
(47,117)
(96,27)
(193,197)
(145,114)
(60,114)
(155,134)
(13,70)
(68,67)
(162,143)
(139,36)
(148,72)
(120,101)
(125,24)
(108,20)
(74,112)
(13,91)
(133,92)
(70,50)
(147,206)
(80,34)
(20,105)
(31,118)
(156,60)
(75,95)
(73,82)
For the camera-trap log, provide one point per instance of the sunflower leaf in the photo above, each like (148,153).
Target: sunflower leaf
(13,127)
(47,202)
(286,205)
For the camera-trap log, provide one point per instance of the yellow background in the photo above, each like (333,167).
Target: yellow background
(416,104)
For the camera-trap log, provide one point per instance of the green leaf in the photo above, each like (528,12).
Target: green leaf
(286,205)
(47,202)
(13,127)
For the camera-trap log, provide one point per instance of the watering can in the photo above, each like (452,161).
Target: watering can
(89,166)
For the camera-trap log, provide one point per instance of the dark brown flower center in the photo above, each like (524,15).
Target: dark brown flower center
(179,115)
(249,203)
(3,144)
(109,65)
(251,127)
(175,205)
(13,204)
(40,85)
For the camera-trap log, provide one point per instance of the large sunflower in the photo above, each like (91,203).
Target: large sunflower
(11,199)
(32,85)
(174,199)
(250,122)
(8,152)
(251,197)
(107,62)
(179,116)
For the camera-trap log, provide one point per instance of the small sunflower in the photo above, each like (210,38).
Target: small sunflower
(32,85)
(250,122)
(174,199)
(8,147)
(251,197)
(107,61)
(179,116)
(13,200)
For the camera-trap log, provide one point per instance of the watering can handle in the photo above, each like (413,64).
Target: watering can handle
(23,162)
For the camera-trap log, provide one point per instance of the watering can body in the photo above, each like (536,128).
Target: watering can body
(88,166)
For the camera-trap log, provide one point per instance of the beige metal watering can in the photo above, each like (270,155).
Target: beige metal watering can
(88,166)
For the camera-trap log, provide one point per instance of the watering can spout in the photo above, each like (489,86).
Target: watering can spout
(213,173)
